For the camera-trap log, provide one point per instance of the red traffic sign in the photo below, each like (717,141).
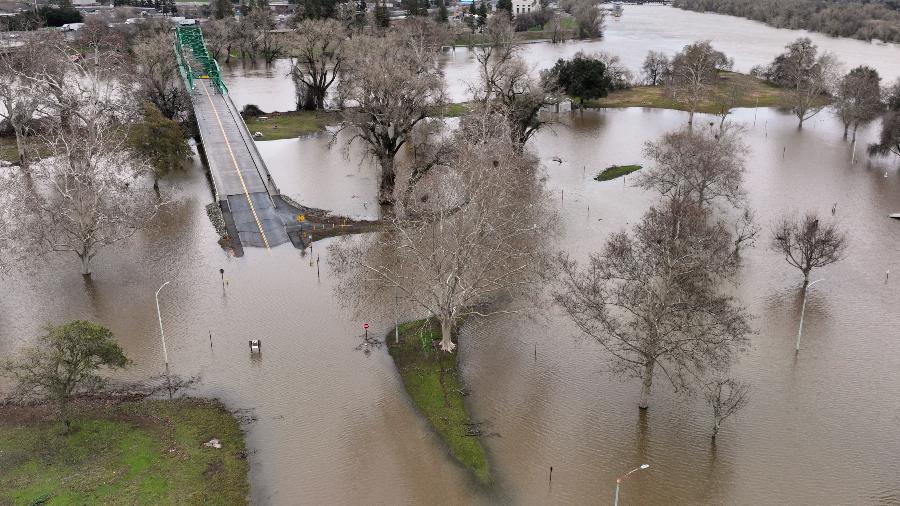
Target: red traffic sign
(365,325)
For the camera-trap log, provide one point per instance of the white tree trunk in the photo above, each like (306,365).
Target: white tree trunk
(85,265)
(446,335)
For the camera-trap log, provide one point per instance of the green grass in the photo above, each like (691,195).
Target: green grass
(616,171)
(290,125)
(452,110)
(755,93)
(443,407)
(293,124)
(143,452)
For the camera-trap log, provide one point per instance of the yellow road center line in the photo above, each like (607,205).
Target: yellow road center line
(237,167)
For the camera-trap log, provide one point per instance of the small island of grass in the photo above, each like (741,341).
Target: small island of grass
(290,125)
(133,452)
(616,171)
(431,378)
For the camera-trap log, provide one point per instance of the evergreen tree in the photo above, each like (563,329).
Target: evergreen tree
(442,16)
(482,13)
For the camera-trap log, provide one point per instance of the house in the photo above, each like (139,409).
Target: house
(524,6)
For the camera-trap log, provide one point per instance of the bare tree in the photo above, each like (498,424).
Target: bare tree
(87,195)
(807,244)
(703,165)
(725,396)
(589,19)
(480,241)
(808,76)
(158,75)
(220,36)
(656,68)
(695,72)
(858,98)
(726,98)
(265,40)
(22,96)
(318,49)
(508,87)
(392,86)
(653,300)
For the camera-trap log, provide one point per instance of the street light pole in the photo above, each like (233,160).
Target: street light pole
(162,337)
(620,478)
(803,312)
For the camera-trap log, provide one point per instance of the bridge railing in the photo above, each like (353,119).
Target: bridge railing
(183,67)
(192,36)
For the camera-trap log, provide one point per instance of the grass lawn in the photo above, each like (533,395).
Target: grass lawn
(290,125)
(756,92)
(293,124)
(443,407)
(453,110)
(616,171)
(140,452)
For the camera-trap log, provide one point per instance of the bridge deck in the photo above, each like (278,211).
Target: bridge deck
(238,173)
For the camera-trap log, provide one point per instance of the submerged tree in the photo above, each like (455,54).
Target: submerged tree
(889,141)
(160,141)
(702,165)
(653,298)
(65,362)
(589,19)
(392,84)
(318,51)
(858,98)
(808,76)
(695,72)
(158,76)
(807,244)
(22,95)
(477,238)
(507,86)
(725,396)
(86,196)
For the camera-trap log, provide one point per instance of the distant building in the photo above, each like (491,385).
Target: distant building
(525,6)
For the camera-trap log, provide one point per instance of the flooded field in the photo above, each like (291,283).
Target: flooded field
(640,29)
(335,427)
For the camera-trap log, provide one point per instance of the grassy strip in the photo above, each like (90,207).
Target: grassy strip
(755,93)
(290,125)
(616,171)
(442,405)
(293,124)
(136,452)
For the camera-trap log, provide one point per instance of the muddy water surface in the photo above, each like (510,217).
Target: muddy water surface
(334,426)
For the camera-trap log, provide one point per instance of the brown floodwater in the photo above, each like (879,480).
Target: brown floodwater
(334,426)
(640,29)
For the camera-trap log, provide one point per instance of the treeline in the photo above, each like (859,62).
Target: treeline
(859,20)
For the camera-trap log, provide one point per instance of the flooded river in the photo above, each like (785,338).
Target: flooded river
(640,29)
(335,427)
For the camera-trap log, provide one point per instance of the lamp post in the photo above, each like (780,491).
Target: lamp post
(803,312)
(620,478)
(162,337)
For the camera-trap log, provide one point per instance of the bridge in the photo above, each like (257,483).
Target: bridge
(255,213)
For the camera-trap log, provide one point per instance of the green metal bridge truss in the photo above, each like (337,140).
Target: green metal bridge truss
(196,63)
